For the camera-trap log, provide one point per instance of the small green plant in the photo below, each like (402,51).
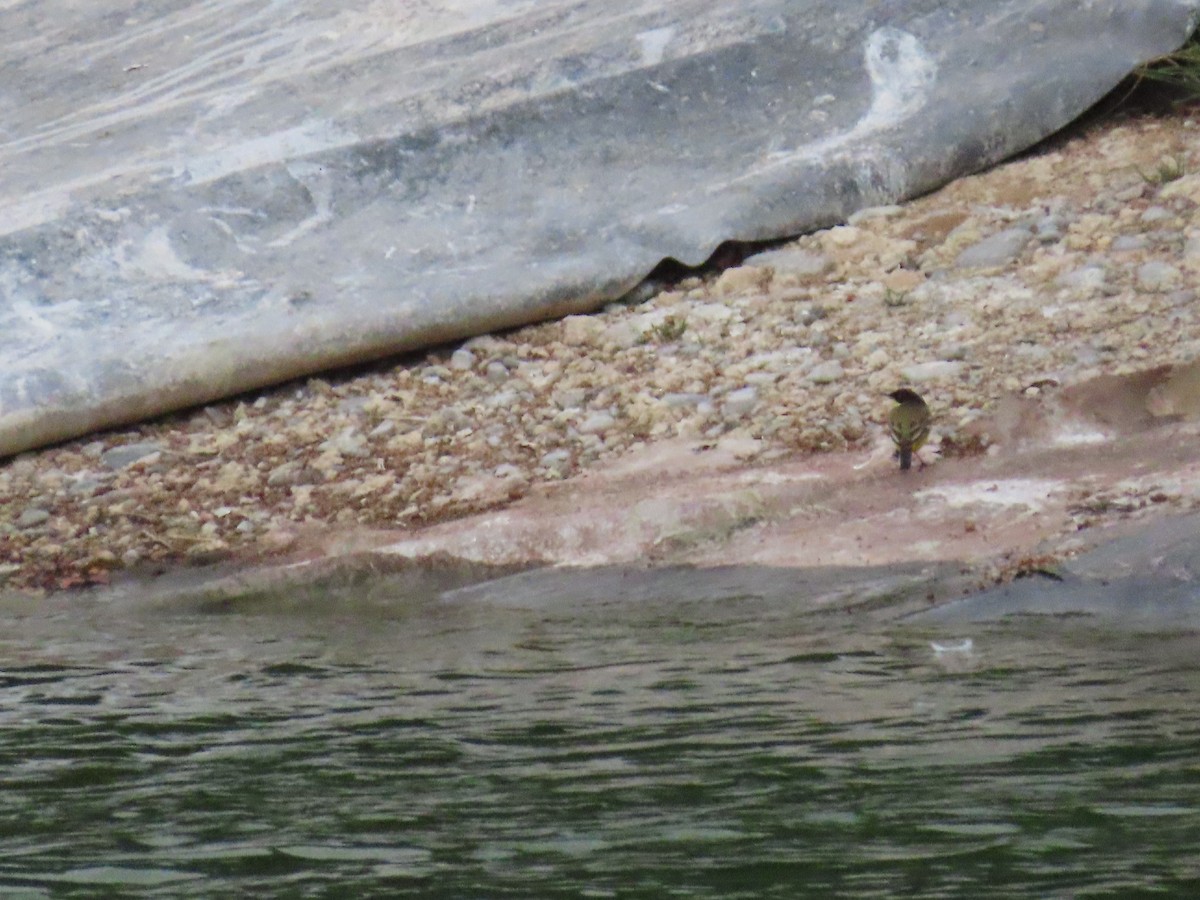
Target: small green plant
(1180,70)
(1168,170)
(670,329)
(894,299)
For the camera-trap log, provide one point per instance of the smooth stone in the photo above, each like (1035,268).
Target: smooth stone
(932,371)
(826,372)
(1085,277)
(793,261)
(597,423)
(462,360)
(128,454)
(741,402)
(1126,242)
(996,250)
(1157,276)
(32,517)
(554,458)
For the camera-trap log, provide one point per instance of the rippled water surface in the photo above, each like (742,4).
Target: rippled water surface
(733,749)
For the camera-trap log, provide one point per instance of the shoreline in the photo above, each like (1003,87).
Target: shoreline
(999,292)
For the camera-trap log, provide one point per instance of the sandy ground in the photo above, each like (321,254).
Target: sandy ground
(1046,309)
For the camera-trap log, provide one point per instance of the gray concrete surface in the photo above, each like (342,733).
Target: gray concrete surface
(205,197)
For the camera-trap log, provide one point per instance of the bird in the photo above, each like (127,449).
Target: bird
(909,423)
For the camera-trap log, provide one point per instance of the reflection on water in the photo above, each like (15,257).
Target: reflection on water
(723,750)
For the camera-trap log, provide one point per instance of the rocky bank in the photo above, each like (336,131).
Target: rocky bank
(1047,309)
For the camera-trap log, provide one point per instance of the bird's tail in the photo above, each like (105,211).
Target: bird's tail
(905,458)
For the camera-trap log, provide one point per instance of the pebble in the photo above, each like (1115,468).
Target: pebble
(937,370)
(128,454)
(677,401)
(1158,276)
(31,517)
(741,280)
(797,262)
(348,443)
(597,423)
(582,330)
(826,372)
(740,403)
(1129,243)
(999,249)
(1088,278)
(462,360)
(554,459)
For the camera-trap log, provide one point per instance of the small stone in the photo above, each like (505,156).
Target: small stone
(1088,278)
(1125,243)
(800,264)
(569,398)
(597,423)
(496,372)
(554,459)
(128,454)
(1157,277)
(1157,214)
(711,312)
(582,330)
(740,403)
(998,249)
(826,372)
(85,486)
(1049,229)
(1187,186)
(936,370)
(348,443)
(284,475)
(462,360)
(32,517)
(741,280)
(678,400)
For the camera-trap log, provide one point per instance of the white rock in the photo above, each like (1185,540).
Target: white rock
(796,261)
(711,312)
(582,330)
(462,360)
(741,280)
(932,371)
(1127,243)
(740,402)
(995,250)
(597,423)
(1087,278)
(1157,276)
(826,372)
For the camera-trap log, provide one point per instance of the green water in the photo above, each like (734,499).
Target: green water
(720,750)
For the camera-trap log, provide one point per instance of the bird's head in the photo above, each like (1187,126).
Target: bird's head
(906,395)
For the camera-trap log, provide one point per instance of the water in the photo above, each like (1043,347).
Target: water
(735,749)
